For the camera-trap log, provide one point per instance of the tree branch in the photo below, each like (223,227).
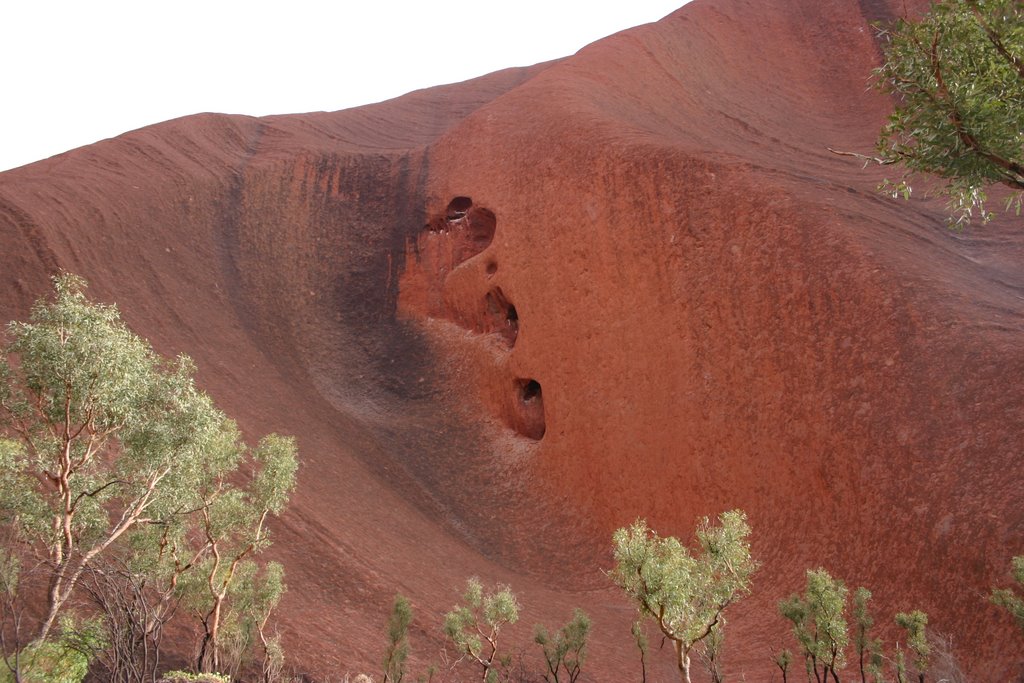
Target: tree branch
(1013,172)
(95,492)
(996,41)
(864,157)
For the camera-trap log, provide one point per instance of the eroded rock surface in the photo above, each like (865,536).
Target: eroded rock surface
(507,316)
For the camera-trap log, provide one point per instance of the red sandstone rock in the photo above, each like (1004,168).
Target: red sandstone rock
(507,316)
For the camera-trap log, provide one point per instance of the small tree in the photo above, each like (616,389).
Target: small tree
(232,524)
(111,437)
(900,665)
(640,638)
(874,661)
(11,610)
(958,76)
(915,624)
(255,596)
(398,640)
(1010,599)
(867,647)
(65,658)
(711,654)
(685,592)
(110,447)
(479,620)
(783,660)
(819,623)
(566,648)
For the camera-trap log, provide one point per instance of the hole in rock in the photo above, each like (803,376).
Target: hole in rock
(467,231)
(458,207)
(482,224)
(500,316)
(528,412)
(530,390)
(492,268)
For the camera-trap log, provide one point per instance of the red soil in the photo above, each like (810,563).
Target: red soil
(507,316)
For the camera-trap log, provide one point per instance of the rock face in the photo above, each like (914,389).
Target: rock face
(507,316)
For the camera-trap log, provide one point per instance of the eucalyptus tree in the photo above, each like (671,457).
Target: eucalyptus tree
(869,650)
(565,648)
(957,75)
(783,660)
(254,594)
(640,640)
(232,529)
(474,625)
(819,624)
(397,651)
(684,591)
(915,623)
(1009,598)
(103,443)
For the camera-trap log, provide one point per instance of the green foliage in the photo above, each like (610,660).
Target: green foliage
(819,622)
(10,573)
(640,638)
(186,677)
(111,436)
(247,595)
(107,449)
(474,625)
(869,650)
(275,477)
(49,662)
(64,659)
(783,660)
(958,76)
(901,666)
(398,640)
(273,663)
(1009,598)
(915,624)
(232,520)
(711,655)
(20,503)
(258,592)
(685,592)
(565,648)
(862,619)
(255,593)
(874,662)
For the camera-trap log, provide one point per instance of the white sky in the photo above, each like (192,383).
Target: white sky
(78,71)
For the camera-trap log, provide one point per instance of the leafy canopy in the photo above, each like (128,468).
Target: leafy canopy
(869,649)
(398,640)
(105,444)
(819,621)
(916,623)
(565,648)
(684,591)
(474,625)
(1010,599)
(121,435)
(958,76)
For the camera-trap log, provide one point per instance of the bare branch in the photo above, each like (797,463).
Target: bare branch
(864,157)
